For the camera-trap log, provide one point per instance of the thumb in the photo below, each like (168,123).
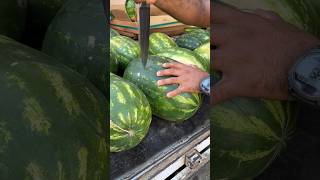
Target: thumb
(221,91)
(267,14)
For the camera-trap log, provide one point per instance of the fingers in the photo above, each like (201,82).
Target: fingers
(168,81)
(175,92)
(222,91)
(224,14)
(218,60)
(169,72)
(222,34)
(267,14)
(173,65)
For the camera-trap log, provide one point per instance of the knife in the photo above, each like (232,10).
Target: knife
(144,20)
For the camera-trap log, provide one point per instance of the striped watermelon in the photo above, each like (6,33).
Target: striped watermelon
(130,114)
(160,42)
(186,56)
(52,120)
(12,18)
(130,7)
(175,109)
(204,52)
(248,135)
(123,50)
(77,37)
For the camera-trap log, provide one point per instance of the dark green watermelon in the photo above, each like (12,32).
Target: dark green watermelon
(123,50)
(248,134)
(13,18)
(130,114)
(176,109)
(39,16)
(52,120)
(188,41)
(77,37)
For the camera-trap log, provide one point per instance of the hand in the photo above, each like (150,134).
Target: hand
(148,1)
(187,76)
(254,53)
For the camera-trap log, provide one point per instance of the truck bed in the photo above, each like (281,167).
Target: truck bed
(161,139)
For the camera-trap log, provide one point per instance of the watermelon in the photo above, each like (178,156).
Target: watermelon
(113,33)
(248,135)
(204,52)
(130,114)
(130,7)
(12,18)
(52,120)
(186,56)
(123,50)
(77,37)
(188,41)
(175,109)
(160,42)
(40,14)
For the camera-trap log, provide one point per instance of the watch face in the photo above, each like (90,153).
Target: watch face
(306,76)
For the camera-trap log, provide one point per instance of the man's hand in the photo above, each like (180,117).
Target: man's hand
(148,1)
(188,77)
(254,53)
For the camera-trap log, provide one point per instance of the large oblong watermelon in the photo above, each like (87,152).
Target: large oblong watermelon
(77,37)
(12,18)
(52,120)
(130,114)
(186,56)
(176,109)
(159,42)
(248,134)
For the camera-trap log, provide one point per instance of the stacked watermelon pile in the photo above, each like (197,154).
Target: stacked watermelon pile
(125,58)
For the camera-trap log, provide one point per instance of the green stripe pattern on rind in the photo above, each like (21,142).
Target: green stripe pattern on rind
(52,125)
(160,42)
(130,114)
(113,33)
(123,50)
(185,56)
(176,109)
(204,52)
(248,135)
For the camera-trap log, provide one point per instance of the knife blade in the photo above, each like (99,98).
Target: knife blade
(144,20)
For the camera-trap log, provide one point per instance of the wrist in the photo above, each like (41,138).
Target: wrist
(205,85)
(304,77)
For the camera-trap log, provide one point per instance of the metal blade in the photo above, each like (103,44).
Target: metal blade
(144,20)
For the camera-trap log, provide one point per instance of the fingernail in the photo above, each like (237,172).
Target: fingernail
(158,73)
(164,65)
(158,82)
(168,95)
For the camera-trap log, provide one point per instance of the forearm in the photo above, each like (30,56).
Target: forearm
(191,12)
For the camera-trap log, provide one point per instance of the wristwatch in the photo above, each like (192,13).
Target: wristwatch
(205,86)
(304,78)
